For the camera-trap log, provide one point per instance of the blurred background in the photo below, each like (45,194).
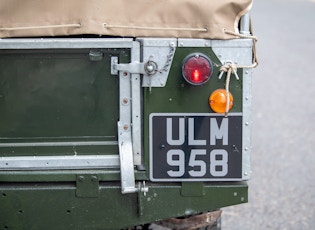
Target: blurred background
(282,185)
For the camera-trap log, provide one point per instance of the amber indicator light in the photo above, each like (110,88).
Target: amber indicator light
(218,101)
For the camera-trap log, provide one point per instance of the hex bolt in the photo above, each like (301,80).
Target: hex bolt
(81,178)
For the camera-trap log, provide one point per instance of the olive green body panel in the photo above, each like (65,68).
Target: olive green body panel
(60,206)
(58,96)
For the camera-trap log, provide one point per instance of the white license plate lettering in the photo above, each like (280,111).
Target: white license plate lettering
(218,162)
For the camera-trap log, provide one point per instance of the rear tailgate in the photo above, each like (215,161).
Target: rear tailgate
(61,107)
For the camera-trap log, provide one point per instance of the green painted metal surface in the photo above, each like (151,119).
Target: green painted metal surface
(68,95)
(58,96)
(57,206)
(178,96)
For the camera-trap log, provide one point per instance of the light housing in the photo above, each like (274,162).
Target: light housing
(197,68)
(218,101)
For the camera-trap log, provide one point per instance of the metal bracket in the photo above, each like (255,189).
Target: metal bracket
(142,193)
(162,51)
(87,186)
(126,160)
(157,56)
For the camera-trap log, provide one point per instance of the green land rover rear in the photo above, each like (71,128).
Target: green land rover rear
(111,132)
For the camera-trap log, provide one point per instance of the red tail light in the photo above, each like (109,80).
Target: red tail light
(197,69)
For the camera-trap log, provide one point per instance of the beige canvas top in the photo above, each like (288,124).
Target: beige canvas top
(128,18)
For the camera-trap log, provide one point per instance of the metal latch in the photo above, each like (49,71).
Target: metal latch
(147,68)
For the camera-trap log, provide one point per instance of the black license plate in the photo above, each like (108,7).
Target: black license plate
(195,147)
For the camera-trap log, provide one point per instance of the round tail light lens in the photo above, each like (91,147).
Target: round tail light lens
(197,69)
(218,101)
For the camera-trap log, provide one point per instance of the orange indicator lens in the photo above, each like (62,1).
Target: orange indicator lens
(218,100)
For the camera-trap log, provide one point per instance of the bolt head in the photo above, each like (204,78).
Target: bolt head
(150,68)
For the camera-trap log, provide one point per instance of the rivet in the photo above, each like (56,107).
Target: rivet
(181,44)
(172,44)
(246,123)
(246,148)
(246,72)
(126,127)
(125,101)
